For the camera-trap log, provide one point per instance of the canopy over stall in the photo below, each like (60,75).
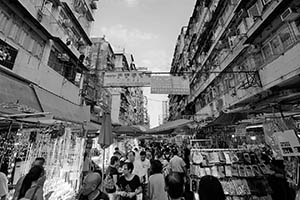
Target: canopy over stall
(127,130)
(170,126)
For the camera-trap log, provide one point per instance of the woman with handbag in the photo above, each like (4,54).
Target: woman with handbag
(111,177)
(28,188)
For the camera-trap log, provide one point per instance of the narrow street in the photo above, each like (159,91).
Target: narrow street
(149,99)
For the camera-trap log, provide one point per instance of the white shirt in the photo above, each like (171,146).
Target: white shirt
(137,168)
(3,185)
(177,164)
(146,166)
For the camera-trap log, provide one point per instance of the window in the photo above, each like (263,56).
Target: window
(4,22)
(37,49)
(267,51)
(25,42)
(286,37)
(13,33)
(29,44)
(276,45)
(21,37)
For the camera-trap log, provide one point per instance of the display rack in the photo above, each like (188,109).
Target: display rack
(241,172)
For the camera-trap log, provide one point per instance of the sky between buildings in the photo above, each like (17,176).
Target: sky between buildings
(146,28)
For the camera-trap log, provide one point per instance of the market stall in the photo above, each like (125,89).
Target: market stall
(61,144)
(254,159)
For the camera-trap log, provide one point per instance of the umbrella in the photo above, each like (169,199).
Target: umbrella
(128,130)
(106,137)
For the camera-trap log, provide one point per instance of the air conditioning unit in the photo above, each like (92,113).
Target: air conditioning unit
(254,11)
(63,57)
(40,15)
(93,5)
(290,14)
(234,2)
(242,28)
(231,41)
(265,2)
(67,23)
(254,48)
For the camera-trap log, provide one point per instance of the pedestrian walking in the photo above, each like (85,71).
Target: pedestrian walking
(146,165)
(175,186)
(177,165)
(157,182)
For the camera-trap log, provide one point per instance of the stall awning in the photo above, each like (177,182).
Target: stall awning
(169,127)
(225,119)
(62,109)
(17,96)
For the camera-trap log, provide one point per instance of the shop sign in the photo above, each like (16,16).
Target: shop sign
(175,85)
(288,143)
(8,55)
(127,79)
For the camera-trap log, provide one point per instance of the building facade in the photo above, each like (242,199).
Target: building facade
(100,59)
(44,44)
(132,106)
(241,57)
(126,105)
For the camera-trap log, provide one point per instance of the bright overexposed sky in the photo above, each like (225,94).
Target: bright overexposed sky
(148,29)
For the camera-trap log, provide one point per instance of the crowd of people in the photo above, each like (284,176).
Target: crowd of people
(157,172)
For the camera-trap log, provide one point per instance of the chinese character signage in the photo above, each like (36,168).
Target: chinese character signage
(8,55)
(175,85)
(127,79)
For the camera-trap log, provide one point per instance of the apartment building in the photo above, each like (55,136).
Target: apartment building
(43,48)
(100,59)
(241,57)
(132,111)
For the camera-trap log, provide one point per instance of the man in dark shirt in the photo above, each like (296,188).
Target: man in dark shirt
(90,188)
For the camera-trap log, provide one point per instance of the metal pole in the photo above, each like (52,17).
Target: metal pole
(103,171)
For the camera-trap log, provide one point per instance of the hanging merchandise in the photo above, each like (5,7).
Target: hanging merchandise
(241,175)
(291,166)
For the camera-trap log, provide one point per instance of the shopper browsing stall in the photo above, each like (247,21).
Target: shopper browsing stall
(111,177)
(3,184)
(210,188)
(28,187)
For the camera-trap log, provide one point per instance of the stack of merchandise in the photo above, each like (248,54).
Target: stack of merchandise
(241,172)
